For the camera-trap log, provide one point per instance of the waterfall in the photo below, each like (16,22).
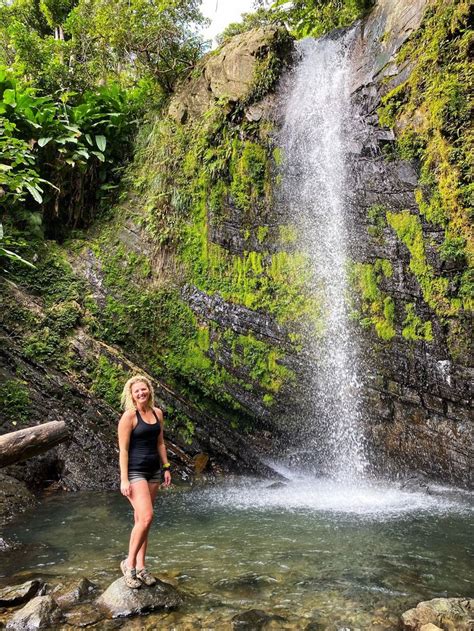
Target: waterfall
(315,138)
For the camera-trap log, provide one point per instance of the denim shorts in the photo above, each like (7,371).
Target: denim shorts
(136,476)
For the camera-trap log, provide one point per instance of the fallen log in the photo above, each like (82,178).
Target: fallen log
(31,441)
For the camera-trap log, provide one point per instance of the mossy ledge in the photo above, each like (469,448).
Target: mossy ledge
(429,113)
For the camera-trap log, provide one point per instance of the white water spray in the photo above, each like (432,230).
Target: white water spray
(315,137)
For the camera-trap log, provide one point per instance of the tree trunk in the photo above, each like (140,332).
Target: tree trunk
(29,442)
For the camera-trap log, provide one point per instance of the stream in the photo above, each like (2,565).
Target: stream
(309,550)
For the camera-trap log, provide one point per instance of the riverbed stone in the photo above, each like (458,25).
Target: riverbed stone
(451,614)
(251,581)
(121,601)
(69,595)
(40,613)
(18,594)
(84,615)
(253,620)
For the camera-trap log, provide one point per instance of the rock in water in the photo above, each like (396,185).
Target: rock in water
(119,600)
(447,613)
(19,594)
(72,594)
(85,616)
(40,613)
(254,620)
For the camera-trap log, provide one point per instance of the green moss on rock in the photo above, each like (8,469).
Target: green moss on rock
(413,326)
(15,402)
(430,113)
(377,309)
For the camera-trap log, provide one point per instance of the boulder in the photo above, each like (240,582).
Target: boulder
(69,595)
(230,72)
(450,614)
(119,601)
(19,594)
(40,613)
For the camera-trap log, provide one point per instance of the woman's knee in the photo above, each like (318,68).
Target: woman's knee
(144,518)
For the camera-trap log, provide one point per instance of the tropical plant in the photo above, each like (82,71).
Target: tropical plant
(59,160)
(79,44)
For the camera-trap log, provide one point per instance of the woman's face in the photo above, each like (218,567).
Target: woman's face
(140,393)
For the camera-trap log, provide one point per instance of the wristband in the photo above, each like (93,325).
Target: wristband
(166,465)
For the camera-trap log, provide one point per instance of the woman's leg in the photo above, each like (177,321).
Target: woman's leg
(140,499)
(153,488)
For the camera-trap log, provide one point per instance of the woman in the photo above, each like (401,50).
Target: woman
(142,446)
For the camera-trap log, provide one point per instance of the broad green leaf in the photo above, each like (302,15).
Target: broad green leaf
(9,97)
(17,257)
(44,141)
(99,154)
(101,142)
(35,194)
(5,167)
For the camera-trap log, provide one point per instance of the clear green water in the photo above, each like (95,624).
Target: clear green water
(308,551)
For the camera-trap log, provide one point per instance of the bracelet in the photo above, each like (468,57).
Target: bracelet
(166,465)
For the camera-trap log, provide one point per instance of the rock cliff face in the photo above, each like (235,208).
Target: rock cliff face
(418,387)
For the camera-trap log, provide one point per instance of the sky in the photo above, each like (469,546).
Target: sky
(222,12)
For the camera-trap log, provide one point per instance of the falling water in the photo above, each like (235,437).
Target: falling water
(315,138)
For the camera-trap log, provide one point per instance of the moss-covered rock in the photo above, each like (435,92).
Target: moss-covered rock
(243,69)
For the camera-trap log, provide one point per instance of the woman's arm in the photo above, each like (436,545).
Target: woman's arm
(124,431)
(162,448)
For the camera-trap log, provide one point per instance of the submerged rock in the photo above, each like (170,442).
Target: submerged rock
(19,594)
(84,616)
(250,580)
(118,600)
(40,613)
(454,614)
(253,620)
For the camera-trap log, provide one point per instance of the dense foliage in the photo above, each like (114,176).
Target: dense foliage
(303,18)
(75,76)
(78,44)
(59,160)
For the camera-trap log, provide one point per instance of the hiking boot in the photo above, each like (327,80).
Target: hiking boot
(145,577)
(130,576)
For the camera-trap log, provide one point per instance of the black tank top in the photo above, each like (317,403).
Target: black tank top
(143,448)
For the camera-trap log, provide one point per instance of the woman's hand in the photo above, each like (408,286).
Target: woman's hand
(125,488)
(166,478)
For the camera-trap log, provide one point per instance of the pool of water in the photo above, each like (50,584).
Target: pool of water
(310,551)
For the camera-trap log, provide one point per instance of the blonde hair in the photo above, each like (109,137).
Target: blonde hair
(126,398)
